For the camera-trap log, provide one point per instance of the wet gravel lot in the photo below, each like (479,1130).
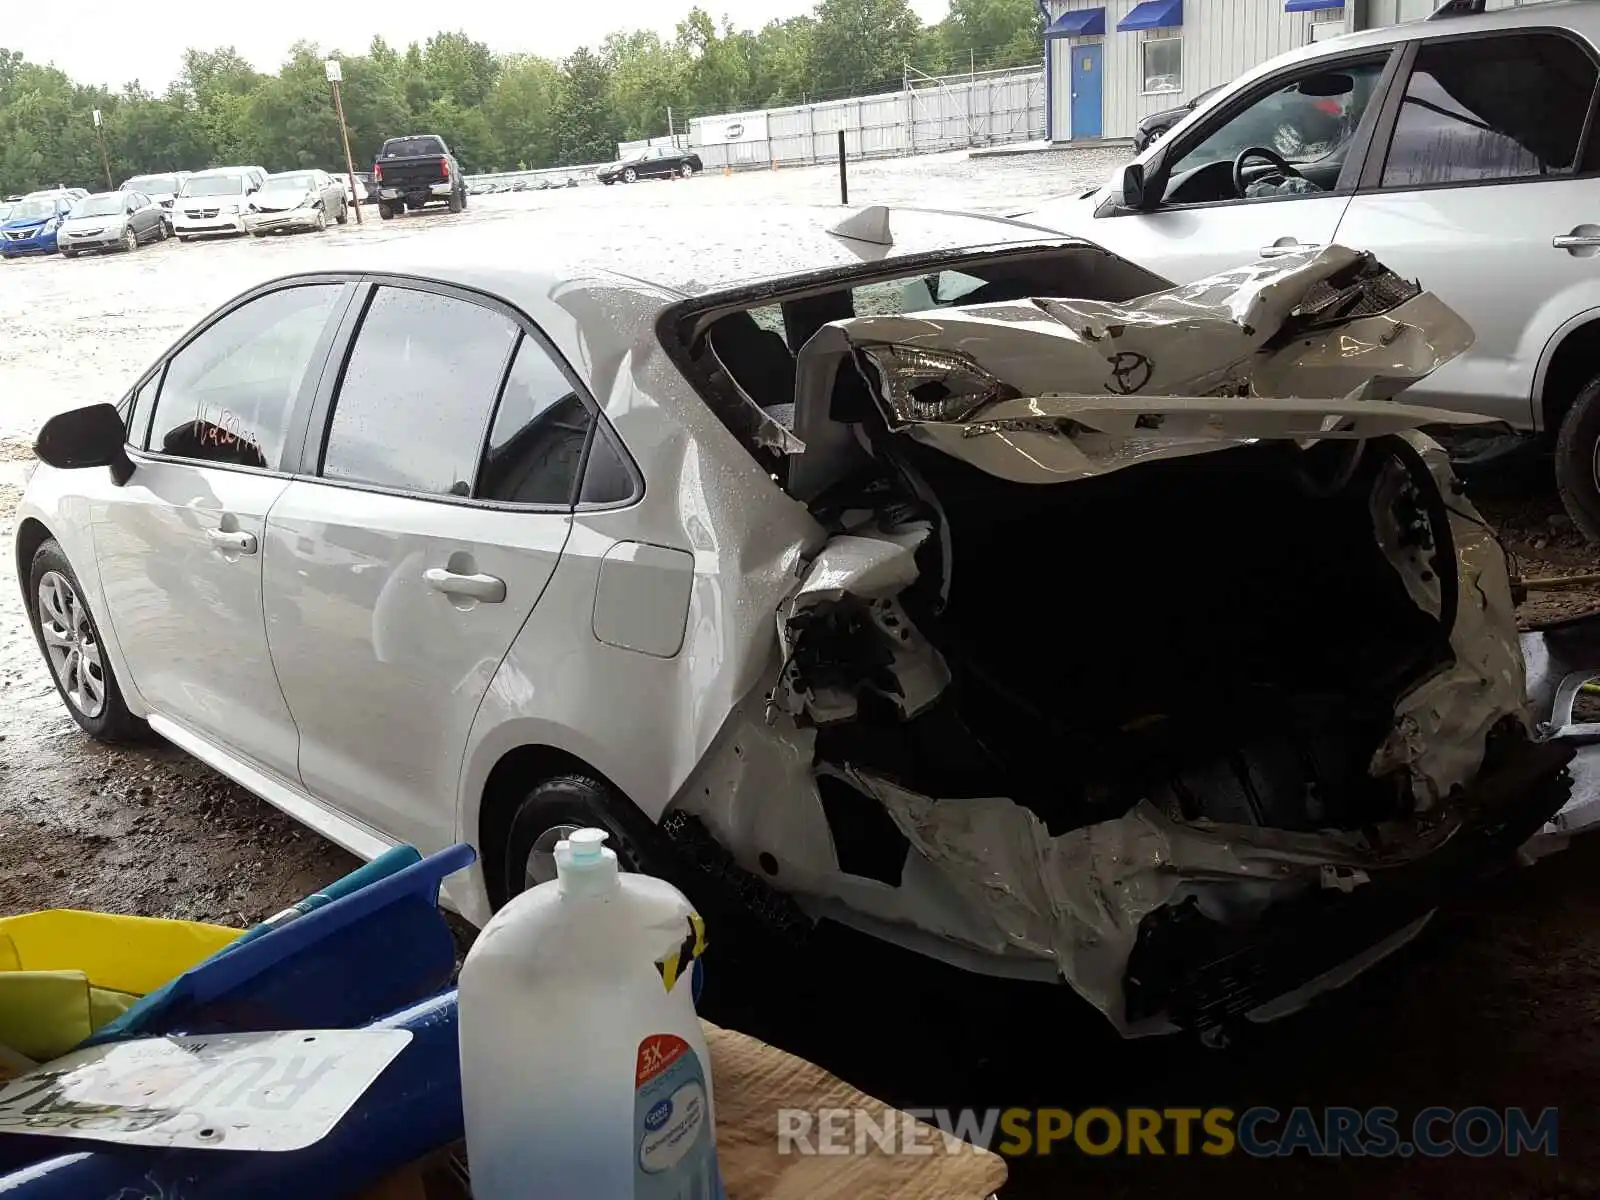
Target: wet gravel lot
(1498,1004)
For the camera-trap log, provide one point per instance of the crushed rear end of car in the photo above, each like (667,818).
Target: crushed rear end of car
(1151,645)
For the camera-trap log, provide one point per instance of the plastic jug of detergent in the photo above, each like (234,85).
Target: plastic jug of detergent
(584,1071)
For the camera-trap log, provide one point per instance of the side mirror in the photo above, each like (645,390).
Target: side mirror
(86,437)
(1133,186)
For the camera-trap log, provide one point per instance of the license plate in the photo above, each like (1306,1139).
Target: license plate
(240,1091)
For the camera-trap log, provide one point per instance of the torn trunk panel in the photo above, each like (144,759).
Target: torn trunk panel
(1153,645)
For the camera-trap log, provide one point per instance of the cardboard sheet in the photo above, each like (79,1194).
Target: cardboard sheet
(753,1081)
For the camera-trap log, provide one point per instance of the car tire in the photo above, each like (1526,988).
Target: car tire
(343,216)
(69,254)
(687,170)
(554,809)
(384,211)
(457,203)
(74,654)
(1577,457)
(130,241)
(322,221)
(630,176)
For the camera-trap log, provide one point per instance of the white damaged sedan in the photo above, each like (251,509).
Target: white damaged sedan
(928,573)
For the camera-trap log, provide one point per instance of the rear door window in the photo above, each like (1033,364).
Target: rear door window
(1492,108)
(536,445)
(418,389)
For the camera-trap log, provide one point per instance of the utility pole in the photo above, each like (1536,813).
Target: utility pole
(105,158)
(335,76)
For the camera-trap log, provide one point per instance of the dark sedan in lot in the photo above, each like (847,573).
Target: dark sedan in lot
(653,162)
(1155,126)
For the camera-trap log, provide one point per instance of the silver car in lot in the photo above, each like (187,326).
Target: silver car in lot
(162,188)
(123,220)
(1461,150)
(296,201)
(931,574)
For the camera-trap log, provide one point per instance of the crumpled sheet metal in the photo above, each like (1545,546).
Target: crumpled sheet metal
(867,569)
(1079,897)
(1100,386)
(1441,725)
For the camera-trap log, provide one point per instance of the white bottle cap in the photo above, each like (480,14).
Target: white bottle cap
(584,867)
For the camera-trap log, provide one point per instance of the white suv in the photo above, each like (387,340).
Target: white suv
(1461,150)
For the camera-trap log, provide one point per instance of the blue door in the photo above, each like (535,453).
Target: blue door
(1085,90)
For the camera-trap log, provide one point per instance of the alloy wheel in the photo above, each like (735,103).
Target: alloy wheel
(322,220)
(687,170)
(130,240)
(71,645)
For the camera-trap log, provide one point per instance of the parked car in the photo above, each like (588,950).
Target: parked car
(294,200)
(31,226)
(1443,166)
(212,202)
(417,170)
(653,162)
(1156,125)
(366,193)
(5,209)
(122,220)
(163,189)
(767,611)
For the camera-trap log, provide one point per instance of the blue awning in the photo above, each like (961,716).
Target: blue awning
(1153,14)
(1311,5)
(1081,22)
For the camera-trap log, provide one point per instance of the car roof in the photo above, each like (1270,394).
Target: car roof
(677,253)
(117,195)
(1582,16)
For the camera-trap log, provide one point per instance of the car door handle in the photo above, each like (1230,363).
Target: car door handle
(236,541)
(1279,249)
(1575,241)
(486,588)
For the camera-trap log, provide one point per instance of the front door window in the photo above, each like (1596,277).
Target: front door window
(1298,133)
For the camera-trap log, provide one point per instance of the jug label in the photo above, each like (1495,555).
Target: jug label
(677,1158)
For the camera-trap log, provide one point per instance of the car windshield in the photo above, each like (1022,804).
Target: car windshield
(34,207)
(214,185)
(153,185)
(289,181)
(411,147)
(107,204)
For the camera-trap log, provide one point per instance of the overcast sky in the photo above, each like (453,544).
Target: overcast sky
(113,42)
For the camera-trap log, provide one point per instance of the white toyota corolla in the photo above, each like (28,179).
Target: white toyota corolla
(928,573)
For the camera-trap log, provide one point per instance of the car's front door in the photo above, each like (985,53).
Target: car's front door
(179,551)
(1315,117)
(398,576)
(1482,190)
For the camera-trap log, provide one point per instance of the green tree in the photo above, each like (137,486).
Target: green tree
(585,125)
(861,45)
(521,111)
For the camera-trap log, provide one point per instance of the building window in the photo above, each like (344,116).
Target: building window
(1163,64)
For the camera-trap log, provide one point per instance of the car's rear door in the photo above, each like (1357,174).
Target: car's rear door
(179,550)
(1480,187)
(434,502)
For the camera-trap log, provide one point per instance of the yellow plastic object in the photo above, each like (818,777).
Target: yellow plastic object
(65,973)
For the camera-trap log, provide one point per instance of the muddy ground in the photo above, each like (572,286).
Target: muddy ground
(1497,1004)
